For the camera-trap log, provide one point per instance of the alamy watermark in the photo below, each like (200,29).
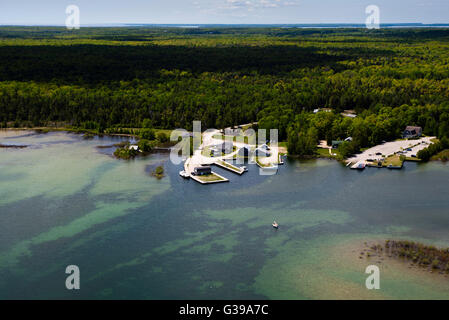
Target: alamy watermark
(373,281)
(72,282)
(73,17)
(373,19)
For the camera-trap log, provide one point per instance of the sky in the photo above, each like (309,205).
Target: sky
(52,12)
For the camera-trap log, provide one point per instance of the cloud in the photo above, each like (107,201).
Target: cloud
(254,4)
(231,6)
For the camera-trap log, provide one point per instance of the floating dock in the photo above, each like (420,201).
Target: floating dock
(226,165)
(217,180)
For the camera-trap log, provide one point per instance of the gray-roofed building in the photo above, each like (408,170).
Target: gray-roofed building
(412,132)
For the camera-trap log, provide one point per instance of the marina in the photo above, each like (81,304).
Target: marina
(213,151)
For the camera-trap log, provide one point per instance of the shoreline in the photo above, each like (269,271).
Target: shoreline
(44,130)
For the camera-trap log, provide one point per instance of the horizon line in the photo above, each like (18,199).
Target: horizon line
(228,24)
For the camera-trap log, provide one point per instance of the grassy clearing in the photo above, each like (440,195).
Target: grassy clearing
(395,161)
(435,140)
(324,153)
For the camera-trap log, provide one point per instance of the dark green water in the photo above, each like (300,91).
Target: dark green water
(63,202)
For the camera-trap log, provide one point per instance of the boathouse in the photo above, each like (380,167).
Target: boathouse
(202,171)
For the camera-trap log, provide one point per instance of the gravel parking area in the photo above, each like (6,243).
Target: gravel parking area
(389,148)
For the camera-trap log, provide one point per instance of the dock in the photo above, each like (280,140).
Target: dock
(228,166)
(207,176)
(201,179)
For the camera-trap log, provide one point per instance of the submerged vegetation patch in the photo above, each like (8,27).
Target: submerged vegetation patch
(428,257)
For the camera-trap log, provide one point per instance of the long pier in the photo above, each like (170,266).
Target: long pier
(226,165)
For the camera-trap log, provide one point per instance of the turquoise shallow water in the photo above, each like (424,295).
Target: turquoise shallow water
(63,201)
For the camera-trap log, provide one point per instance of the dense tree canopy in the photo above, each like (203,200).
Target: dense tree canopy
(168,77)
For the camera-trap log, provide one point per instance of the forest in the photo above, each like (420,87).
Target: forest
(134,77)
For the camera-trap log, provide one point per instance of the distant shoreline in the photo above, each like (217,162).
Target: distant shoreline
(71,130)
(276,25)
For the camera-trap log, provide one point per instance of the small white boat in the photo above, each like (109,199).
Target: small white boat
(358,166)
(361,166)
(245,169)
(184,174)
(275,225)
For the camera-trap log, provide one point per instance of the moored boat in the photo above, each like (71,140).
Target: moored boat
(184,174)
(359,166)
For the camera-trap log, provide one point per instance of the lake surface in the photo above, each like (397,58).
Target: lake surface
(65,202)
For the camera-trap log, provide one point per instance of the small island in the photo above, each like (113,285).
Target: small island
(126,152)
(158,173)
